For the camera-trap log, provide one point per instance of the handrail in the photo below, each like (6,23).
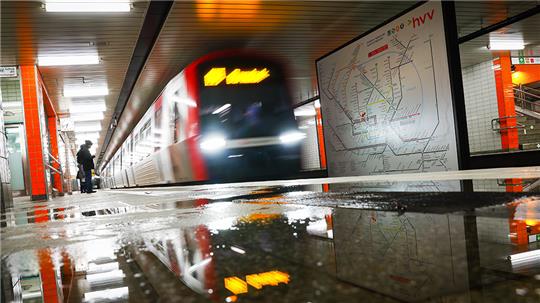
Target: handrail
(54,169)
(530,88)
(498,120)
(530,105)
(52,157)
(526,93)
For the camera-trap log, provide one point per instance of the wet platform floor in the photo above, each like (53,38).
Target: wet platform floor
(273,244)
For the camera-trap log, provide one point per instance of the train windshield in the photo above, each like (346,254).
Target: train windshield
(243,99)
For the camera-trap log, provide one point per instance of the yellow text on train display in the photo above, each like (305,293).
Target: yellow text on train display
(217,75)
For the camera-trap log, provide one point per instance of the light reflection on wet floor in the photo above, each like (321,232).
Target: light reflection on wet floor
(273,244)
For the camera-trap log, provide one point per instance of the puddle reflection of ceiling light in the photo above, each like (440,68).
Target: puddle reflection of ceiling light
(97,268)
(81,91)
(105,277)
(525,257)
(85,6)
(112,293)
(68,60)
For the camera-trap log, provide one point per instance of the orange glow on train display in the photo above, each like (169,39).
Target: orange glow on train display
(216,75)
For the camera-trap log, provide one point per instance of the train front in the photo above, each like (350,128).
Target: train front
(247,124)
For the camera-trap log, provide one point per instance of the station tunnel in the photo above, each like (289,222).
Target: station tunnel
(257,151)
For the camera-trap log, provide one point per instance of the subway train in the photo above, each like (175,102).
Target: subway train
(227,116)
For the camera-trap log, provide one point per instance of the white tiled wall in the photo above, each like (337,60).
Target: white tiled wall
(481,107)
(11,90)
(495,230)
(488,185)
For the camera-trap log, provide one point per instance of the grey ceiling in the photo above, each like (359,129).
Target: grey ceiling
(296,31)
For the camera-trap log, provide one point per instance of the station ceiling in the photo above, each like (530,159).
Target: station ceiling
(298,32)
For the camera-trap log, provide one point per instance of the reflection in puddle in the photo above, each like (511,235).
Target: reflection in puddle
(292,246)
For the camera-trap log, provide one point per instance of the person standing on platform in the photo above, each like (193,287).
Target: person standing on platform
(80,173)
(87,161)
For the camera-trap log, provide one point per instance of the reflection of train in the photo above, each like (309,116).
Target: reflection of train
(226,116)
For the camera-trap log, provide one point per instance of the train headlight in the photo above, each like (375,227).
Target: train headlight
(291,137)
(213,143)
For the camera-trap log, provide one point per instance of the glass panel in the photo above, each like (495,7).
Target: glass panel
(500,84)
(472,16)
(15,153)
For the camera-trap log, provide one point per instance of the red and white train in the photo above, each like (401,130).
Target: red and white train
(227,116)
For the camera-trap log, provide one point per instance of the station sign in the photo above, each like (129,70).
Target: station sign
(534,238)
(8,71)
(525,60)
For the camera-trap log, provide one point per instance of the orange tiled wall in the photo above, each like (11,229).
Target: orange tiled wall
(33,130)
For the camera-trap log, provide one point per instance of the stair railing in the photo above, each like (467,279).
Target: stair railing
(505,119)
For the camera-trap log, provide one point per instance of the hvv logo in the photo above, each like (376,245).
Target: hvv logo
(418,21)
(414,21)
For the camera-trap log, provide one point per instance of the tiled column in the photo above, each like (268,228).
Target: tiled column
(505,101)
(507,111)
(30,86)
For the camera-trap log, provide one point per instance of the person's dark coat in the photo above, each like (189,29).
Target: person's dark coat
(85,158)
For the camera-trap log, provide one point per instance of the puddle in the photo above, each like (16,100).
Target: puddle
(280,245)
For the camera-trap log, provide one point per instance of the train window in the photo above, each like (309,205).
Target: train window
(145,130)
(246,110)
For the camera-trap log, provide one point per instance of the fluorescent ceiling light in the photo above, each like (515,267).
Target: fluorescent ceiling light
(88,128)
(506,45)
(97,116)
(87,6)
(67,60)
(87,108)
(81,91)
(82,138)
(221,109)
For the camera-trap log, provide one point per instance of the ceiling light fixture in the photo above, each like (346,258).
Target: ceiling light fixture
(87,128)
(68,60)
(85,6)
(87,108)
(87,116)
(506,45)
(82,91)
(86,136)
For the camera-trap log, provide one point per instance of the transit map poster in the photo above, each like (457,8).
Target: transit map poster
(386,99)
